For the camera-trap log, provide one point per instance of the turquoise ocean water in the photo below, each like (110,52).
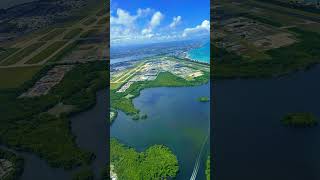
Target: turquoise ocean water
(200,54)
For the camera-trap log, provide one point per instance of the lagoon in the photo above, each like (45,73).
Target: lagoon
(250,140)
(201,54)
(175,119)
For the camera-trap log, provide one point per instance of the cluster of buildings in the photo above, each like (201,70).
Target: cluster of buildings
(151,69)
(86,53)
(52,78)
(27,17)
(305,3)
(237,34)
(5,168)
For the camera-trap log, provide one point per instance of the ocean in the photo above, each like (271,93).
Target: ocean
(201,54)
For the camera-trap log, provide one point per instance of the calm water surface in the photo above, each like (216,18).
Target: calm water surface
(175,119)
(250,141)
(201,54)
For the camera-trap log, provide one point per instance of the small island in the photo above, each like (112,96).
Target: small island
(301,119)
(203,99)
(113,115)
(208,168)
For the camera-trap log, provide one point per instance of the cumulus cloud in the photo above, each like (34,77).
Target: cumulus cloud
(204,27)
(124,25)
(123,18)
(144,12)
(176,21)
(154,22)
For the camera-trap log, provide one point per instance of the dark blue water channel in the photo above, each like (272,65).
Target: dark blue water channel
(250,142)
(175,119)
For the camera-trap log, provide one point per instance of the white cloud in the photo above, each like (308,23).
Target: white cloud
(144,12)
(156,19)
(123,18)
(124,25)
(154,22)
(176,21)
(204,27)
(126,19)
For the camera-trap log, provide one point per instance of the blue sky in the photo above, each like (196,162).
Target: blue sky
(146,21)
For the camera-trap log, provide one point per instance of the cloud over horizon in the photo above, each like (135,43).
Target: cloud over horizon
(204,27)
(150,25)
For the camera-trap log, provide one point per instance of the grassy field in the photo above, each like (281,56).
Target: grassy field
(72,33)
(52,34)
(89,21)
(90,33)
(23,53)
(102,21)
(14,77)
(46,52)
(4,53)
(63,52)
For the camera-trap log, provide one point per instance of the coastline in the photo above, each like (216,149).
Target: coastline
(204,57)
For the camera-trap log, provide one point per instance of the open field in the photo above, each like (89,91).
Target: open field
(47,52)
(103,20)
(4,53)
(89,21)
(22,53)
(52,34)
(14,77)
(90,33)
(72,33)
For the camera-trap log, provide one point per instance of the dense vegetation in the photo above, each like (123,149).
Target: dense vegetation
(17,164)
(302,119)
(164,79)
(83,174)
(298,56)
(105,173)
(157,162)
(24,125)
(208,168)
